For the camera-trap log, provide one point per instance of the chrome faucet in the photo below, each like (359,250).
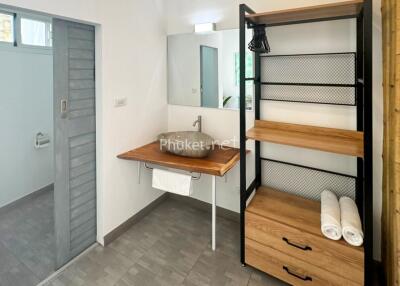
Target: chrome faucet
(198,123)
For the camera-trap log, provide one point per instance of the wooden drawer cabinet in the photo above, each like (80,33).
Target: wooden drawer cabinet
(283,238)
(289,269)
(333,256)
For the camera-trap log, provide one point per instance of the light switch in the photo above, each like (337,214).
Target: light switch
(120,101)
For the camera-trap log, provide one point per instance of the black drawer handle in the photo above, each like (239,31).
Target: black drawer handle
(302,277)
(302,247)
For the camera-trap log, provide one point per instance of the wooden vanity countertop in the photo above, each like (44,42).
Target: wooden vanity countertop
(217,163)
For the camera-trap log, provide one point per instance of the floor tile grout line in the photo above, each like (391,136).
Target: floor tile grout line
(58,272)
(19,260)
(197,260)
(251,275)
(148,250)
(134,262)
(190,255)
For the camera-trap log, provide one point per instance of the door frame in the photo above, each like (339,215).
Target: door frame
(98,104)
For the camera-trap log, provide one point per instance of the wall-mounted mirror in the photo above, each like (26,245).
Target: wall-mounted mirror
(203,70)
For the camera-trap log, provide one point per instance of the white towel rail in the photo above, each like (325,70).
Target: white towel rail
(193,177)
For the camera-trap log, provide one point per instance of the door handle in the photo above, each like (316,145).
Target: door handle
(302,247)
(298,276)
(64,108)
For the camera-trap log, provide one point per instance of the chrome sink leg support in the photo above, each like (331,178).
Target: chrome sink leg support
(214,212)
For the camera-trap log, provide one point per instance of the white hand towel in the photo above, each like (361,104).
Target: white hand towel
(351,222)
(330,216)
(172,182)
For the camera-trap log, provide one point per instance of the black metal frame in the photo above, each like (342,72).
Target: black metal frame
(243,186)
(368,141)
(252,25)
(309,84)
(363,104)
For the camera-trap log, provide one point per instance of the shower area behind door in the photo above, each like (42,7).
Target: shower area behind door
(27,243)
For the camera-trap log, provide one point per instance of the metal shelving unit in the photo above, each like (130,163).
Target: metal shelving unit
(349,83)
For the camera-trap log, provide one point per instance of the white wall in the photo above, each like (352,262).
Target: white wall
(184,79)
(184,66)
(26,108)
(133,66)
(230,47)
(131,63)
(318,37)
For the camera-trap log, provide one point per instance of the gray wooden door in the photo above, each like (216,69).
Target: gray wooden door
(75,138)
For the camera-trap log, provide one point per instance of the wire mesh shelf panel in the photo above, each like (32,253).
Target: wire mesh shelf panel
(336,95)
(312,69)
(314,78)
(304,181)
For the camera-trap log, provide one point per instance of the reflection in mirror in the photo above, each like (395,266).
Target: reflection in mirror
(203,70)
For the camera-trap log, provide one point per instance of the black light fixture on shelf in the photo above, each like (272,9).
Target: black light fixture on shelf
(259,43)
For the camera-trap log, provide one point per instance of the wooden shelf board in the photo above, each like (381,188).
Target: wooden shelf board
(340,141)
(291,210)
(344,9)
(217,163)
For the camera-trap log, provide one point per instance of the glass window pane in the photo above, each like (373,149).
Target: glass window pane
(35,33)
(6,28)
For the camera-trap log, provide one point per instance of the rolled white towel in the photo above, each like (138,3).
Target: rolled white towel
(351,222)
(330,216)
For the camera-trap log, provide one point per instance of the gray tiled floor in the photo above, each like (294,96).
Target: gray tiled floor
(27,245)
(170,246)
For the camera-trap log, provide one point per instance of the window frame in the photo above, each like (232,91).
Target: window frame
(28,16)
(14,30)
(17,45)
